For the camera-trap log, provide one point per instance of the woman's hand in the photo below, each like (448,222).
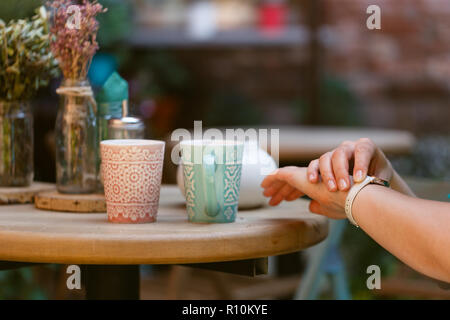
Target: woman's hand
(289,183)
(334,166)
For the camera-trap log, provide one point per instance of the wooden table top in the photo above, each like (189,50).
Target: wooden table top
(31,235)
(305,143)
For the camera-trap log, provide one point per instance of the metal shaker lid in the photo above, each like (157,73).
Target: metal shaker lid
(126,122)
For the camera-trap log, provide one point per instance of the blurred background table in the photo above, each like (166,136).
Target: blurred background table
(305,143)
(111,253)
(298,145)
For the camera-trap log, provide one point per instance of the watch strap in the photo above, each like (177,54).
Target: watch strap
(353,192)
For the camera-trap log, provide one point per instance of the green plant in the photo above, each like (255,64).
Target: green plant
(230,107)
(116,23)
(26,63)
(338,105)
(360,251)
(18,9)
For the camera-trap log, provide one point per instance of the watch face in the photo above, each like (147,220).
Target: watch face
(381,182)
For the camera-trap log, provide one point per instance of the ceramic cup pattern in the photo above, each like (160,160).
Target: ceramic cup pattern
(132,173)
(212,176)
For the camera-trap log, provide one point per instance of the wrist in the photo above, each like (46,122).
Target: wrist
(365,200)
(354,192)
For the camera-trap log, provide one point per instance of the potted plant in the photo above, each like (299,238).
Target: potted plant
(75,130)
(26,64)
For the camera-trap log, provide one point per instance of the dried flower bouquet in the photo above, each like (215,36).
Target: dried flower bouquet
(74,46)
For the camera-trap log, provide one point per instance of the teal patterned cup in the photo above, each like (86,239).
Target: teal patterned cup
(212,178)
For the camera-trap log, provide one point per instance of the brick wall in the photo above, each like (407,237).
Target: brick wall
(401,73)
(270,80)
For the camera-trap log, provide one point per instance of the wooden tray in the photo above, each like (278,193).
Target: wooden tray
(22,195)
(81,203)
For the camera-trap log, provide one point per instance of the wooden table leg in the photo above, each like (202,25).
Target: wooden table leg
(111,282)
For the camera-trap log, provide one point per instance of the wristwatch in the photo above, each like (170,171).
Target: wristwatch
(355,189)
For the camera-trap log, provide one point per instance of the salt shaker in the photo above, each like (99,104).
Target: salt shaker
(126,127)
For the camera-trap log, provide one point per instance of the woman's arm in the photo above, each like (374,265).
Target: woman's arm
(414,230)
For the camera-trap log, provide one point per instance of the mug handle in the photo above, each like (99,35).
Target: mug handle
(209,172)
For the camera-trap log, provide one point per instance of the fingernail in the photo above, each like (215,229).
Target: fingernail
(312,177)
(331,185)
(359,175)
(342,184)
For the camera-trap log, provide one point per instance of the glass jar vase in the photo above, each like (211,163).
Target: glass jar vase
(16,144)
(76,139)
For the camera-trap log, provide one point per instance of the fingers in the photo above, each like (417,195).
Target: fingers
(294,195)
(270,179)
(284,184)
(313,171)
(273,188)
(364,152)
(283,192)
(334,165)
(326,171)
(295,176)
(314,207)
(340,162)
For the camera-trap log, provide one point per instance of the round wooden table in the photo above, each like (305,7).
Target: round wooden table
(31,235)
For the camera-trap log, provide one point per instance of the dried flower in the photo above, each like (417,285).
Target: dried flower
(74,47)
(26,62)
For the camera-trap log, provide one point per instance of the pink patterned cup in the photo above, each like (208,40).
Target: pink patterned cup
(132,172)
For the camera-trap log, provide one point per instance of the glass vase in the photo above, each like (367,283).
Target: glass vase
(76,139)
(16,144)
